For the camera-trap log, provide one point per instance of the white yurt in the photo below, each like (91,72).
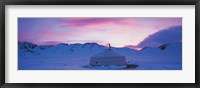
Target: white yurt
(107,57)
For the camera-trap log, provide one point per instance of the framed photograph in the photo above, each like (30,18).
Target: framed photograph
(60,43)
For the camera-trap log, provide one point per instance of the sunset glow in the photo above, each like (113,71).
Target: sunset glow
(119,32)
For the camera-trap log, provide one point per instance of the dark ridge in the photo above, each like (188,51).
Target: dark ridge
(164,46)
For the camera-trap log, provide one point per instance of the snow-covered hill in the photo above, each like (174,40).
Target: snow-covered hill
(69,49)
(25,48)
(77,56)
(172,48)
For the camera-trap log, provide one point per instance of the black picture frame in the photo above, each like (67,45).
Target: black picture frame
(99,2)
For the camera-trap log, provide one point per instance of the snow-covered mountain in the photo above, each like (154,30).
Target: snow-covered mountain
(76,56)
(75,48)
(25,48)
(90,49)
(80,49)
(172,49)
(29,48)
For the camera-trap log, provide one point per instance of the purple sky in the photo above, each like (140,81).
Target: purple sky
(118,32)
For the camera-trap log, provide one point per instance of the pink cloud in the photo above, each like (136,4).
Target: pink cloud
(85,22)
(119,23)
(129,31)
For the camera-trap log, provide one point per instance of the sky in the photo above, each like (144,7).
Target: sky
(119,32)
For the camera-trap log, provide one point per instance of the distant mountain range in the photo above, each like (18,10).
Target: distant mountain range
(93,48)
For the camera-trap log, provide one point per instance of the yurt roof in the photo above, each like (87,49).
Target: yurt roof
(107,53)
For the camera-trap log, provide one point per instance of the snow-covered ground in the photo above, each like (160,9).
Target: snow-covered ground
(77,56)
